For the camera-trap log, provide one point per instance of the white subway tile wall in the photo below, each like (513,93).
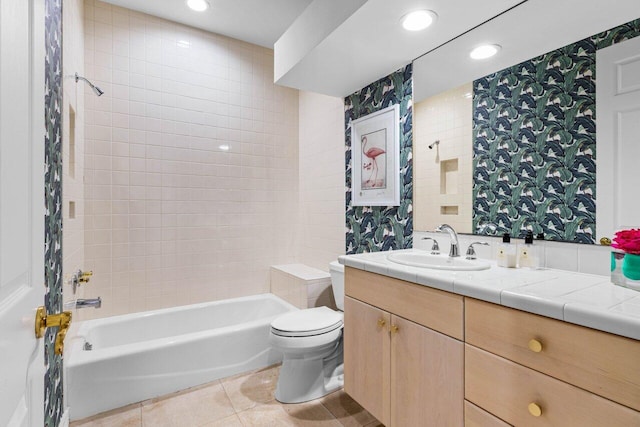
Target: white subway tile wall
(191,164)
(443,180)
(322,191)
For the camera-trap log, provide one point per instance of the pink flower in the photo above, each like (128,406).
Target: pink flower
(627,241)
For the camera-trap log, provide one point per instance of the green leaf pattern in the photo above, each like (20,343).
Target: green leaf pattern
(534,134)
(53,399)
(381,228)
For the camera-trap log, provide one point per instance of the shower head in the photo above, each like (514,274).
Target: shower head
(437,142)
(95,88)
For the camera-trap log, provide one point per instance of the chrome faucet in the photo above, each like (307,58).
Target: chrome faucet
(471,252)
(83,303)
(453,250)
(435,248)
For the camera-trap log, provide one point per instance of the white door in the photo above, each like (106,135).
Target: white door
(21,211)
(618,137)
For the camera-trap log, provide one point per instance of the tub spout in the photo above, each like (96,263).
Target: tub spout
(82,303)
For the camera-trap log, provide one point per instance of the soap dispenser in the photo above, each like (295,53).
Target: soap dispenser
(506,256)
(529,256)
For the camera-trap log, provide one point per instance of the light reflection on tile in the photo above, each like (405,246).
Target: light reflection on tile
(247,391)
(192,407)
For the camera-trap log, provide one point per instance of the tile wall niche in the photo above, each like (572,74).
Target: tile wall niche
(191,164)
(443,178)
(322,148)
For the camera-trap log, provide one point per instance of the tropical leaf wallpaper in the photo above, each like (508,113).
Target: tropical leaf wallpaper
(534,132)
(382,228)
(53,399)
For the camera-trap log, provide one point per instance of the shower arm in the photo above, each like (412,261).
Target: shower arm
(95,88)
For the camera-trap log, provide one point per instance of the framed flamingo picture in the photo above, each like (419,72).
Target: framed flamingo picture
(375,150)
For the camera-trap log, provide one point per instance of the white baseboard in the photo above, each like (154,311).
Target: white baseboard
(64,420)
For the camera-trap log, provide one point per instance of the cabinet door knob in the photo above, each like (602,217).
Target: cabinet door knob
(394,328)
(535,346)
(535,409)
(381,322)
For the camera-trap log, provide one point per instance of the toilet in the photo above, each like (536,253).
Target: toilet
(311,343)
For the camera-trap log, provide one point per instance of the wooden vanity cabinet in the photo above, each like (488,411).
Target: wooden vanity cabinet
(407,364)
(532,370)
(475,416)
(397,366)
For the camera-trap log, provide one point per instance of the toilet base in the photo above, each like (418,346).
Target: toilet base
(301,380)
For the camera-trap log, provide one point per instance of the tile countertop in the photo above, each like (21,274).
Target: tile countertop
(584,299)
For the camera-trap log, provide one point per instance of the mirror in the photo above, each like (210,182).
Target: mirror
(515,149)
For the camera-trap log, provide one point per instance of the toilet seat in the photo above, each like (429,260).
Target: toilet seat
(308,322)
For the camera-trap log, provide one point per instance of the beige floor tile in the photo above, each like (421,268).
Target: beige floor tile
(311,414)
(346,410)
(232,421)
(275,414)
(249,390)
(128,416)
(189,408)
(268,415)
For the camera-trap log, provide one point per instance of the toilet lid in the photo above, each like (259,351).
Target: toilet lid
(304,323)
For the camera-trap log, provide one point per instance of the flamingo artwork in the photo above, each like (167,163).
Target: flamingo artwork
(372,153)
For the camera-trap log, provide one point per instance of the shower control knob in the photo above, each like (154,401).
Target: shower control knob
(84,276)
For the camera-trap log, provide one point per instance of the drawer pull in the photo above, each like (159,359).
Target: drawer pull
(381,322)
(535,346)
(394,329)
(534,409)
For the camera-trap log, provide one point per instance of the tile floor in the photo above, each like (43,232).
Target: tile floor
(244,400)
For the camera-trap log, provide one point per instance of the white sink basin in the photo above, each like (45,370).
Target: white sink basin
(437,262)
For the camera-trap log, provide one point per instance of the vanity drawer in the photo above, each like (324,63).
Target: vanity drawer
(514,393)
(603,363)
(478,417)
(435,309)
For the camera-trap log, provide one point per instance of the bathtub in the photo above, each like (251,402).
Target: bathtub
(143,355)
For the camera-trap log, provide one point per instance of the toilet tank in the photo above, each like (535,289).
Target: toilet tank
(337,283)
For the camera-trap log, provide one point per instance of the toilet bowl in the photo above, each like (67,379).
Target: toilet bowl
(311,343)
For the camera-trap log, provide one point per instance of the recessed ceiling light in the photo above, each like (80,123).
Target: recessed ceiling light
(198,5)
(224,147)
(485,51)
(418,20)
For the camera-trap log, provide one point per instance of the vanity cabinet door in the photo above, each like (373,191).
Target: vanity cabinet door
(367,357)
(427,387)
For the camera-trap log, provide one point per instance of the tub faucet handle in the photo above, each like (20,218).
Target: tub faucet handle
(84,276)
(79,277)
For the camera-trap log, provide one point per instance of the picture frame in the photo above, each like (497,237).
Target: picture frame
(375,154)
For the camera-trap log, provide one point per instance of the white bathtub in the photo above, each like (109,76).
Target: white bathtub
(143,355)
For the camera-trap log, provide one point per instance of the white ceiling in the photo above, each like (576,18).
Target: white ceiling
(531,29)
(259,22)
(358,47)
(371,43)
